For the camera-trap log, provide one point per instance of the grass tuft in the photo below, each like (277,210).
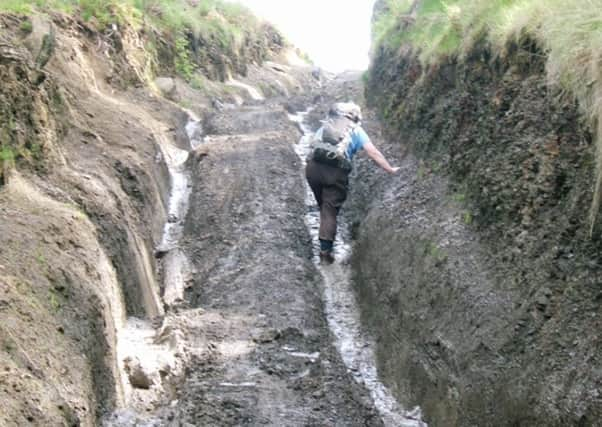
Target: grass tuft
(224,21)
(184,65)
(7,155)
(26,26)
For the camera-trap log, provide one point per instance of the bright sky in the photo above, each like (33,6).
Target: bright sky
(335,33)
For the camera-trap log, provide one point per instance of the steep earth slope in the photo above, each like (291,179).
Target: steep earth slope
(85,193)
(477,268)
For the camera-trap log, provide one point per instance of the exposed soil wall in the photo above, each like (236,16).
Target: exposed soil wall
(219,63)
(83,194)
(59,304)
(82,205)
(475,267)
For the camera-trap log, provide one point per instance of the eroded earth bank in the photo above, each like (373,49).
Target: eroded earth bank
(479,268)
(156,265)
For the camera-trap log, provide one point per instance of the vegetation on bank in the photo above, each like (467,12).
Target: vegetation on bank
(195,39)
(227,25)
(222,19)
(568,31)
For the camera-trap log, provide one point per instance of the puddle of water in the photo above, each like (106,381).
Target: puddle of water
(312,357)
(180,189)
(177,268)
(178,274)
(128,418)
(194,130)
(137,344)
(342,311)
(138,341)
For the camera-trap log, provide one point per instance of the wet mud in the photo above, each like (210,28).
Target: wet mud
(166,256)
(263,352)
(250,338)
(353,341)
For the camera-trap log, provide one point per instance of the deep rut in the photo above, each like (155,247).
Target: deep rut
(355,346)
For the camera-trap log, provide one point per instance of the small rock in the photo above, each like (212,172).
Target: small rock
(172,219)
(166,85)
(542,301)
(268,336)
(217,104)
(136,374)
(161,251)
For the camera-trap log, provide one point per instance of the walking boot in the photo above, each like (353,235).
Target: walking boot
(326,257)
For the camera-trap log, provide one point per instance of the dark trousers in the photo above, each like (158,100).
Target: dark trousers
(329,185)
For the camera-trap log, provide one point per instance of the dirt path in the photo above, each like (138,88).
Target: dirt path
(271,357)
(256,345)
(236,334)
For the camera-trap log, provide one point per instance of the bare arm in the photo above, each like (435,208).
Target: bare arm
(378,158)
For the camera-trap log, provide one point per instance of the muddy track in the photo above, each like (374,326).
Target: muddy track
(264,354)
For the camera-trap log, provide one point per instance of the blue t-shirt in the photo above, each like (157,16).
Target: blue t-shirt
(359,138)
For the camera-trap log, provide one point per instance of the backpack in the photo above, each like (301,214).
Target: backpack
(331,148)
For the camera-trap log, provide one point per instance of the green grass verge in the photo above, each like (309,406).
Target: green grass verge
(223,21)
(227,26)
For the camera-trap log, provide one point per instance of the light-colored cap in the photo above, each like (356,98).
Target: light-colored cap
(347,109)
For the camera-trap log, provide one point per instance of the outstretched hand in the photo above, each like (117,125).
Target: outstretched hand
(378,157)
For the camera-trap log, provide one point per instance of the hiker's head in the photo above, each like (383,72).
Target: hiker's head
(346,109)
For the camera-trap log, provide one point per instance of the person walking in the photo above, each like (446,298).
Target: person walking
(329,163)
